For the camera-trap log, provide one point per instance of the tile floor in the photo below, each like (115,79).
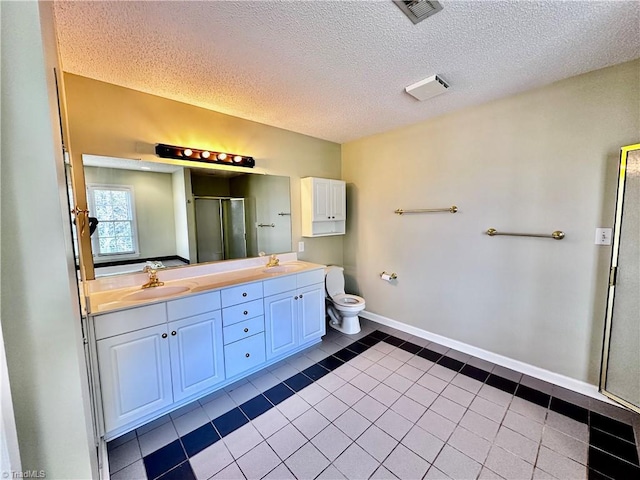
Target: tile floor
(384,405)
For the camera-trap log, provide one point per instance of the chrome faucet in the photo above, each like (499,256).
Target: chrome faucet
(153,278)
(273,261)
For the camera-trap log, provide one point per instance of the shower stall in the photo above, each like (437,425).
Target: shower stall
(220,228)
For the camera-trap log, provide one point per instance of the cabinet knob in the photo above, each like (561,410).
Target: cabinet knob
(246,330)
(164,335)
(247,355)
(174,333)
(328,216)
(244,294)
(295,298)
(300,295)
(245,312)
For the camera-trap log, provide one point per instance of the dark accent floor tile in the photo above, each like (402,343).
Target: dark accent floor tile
(429,355)
(475,373)
(501,383)
(614,445)
(451,363)
(164,459)
(331,363)
(612,466)
(181,472)
(369,340)
(232,420)
(395,341)
(534,396)
(570,410)
(410,347)
(278,393)
(614,427)
(256,406)
(315,372)
(378,334)
(345,354)
(358,347)
(298,382)
(196,441)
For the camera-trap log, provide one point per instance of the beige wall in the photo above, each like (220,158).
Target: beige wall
(40,307)
(535,162)
(154,206)
(115,121)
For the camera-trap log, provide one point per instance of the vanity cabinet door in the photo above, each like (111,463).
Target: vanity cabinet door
(280,315)
(197,355)
(135,375)
(311,315)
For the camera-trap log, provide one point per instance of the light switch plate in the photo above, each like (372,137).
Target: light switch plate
(300,246)
(603,236)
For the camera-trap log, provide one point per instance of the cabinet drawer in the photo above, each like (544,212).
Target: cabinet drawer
(241,293)
(244,311)
(116,323)
(311,277)
(244,355)
(241,330)
(279,285)
(190,306)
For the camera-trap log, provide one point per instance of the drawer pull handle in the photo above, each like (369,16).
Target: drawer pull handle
(244,294)
(246,330)
(247,355)
(164,335)
(245,312)
(174,333)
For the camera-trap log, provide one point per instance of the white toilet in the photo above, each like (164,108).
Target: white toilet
(342,308)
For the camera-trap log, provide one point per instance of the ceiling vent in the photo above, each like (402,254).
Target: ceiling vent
(418,10)
(427,88)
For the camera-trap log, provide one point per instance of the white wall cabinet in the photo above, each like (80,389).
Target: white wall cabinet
(324,207)
(155,358)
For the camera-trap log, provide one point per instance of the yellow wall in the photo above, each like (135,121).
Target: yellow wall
(536,162)
(113,121)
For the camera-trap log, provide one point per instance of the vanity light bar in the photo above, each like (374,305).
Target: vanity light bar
(205,156)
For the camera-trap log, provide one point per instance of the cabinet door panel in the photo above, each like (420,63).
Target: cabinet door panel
(197,361)
(321,200)
(311,316)
(280,323)
(135,375)
(338,200)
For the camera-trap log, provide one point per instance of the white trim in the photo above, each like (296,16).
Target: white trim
(522,367)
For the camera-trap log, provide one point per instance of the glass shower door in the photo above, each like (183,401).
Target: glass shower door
(620,375)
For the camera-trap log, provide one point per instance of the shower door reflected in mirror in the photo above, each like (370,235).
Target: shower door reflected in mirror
(620,376)
(220,229)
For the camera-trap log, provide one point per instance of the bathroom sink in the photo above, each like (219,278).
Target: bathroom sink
(287,267)
(155,292)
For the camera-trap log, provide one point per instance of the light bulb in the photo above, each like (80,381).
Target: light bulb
(187,152)
(237,159)
(222,156)
(205,154)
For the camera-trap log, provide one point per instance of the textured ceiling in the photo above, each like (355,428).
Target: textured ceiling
(337,69)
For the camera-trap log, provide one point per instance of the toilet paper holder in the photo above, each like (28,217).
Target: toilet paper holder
(388,276)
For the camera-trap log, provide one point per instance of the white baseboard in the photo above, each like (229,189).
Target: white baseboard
(522,367)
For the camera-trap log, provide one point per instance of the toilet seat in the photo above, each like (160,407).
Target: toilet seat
(347,300)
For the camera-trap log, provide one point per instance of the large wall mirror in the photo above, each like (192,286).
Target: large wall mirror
(168,216)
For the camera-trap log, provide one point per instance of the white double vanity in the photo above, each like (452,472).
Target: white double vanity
(154,350)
